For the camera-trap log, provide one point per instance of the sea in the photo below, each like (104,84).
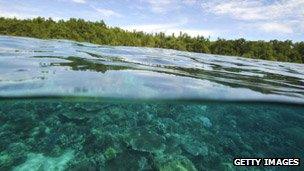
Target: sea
(67,105)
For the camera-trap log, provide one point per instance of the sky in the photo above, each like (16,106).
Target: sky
(229,19)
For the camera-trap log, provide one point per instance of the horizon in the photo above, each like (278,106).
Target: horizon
(252,20)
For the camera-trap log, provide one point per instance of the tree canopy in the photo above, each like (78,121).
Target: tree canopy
(100,33)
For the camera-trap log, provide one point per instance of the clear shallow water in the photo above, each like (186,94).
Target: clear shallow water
(127,108)
(83,134)
(32,67)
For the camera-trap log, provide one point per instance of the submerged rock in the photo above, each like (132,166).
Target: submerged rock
(75,117)
(195,147)
(5,160)
(143,164)
(147,141)
(21,120)
(206,121)
(13,155)
(40,162)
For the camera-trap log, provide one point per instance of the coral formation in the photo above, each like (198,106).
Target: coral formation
(142,136)
(36,162)
(178,165)
(110,153)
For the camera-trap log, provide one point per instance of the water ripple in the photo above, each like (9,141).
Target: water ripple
(33,67)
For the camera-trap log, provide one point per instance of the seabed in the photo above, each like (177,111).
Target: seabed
(61,134)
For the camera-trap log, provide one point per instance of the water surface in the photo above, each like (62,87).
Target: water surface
(67,105)
(33,67)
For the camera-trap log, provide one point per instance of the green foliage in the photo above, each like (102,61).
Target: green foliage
(100,33)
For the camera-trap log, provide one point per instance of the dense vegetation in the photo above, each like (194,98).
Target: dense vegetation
(100,33)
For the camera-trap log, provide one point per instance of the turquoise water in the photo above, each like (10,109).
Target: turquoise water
(75,106)
(92,134)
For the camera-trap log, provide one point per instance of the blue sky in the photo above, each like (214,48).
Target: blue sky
(230,19)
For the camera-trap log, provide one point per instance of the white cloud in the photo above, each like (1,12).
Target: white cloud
(284,16)
(79,1)
(189,2)
(162,6)
(107,13)
(256,9)
(165,6)
(16,15)
(275,27)
(19,10)
(242,10)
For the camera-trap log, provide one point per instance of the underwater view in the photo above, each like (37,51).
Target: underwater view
(67,105)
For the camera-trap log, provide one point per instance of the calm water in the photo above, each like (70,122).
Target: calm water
(76,106)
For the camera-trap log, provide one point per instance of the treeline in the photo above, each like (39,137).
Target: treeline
(100,33)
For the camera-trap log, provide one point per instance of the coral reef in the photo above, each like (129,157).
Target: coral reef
(110,153)
(41,162)
(178,165)
(57,134)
